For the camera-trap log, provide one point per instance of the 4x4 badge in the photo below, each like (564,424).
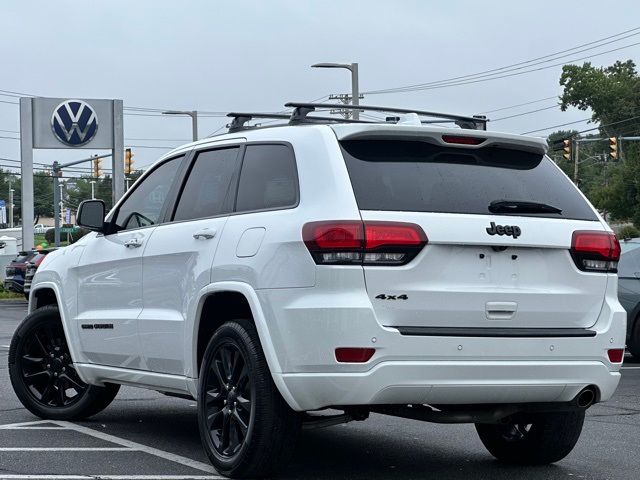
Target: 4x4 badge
(511,230)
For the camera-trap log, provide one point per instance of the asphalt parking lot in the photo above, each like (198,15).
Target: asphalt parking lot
(145,435)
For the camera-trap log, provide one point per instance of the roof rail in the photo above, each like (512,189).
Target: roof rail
(241,118)
(302,109)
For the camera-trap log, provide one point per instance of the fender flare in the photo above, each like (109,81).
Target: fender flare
(191,343)
(70,331)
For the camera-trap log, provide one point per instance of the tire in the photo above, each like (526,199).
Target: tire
(47,386)
(634,341)
(541,439)
(237,394)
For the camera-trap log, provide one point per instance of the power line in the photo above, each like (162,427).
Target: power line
(525,113)
(498,72)
(479,80)
(555,126)
(519,105)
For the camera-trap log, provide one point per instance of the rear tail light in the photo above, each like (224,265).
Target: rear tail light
(616,355)
(595,251)
(354,355)
(363,243)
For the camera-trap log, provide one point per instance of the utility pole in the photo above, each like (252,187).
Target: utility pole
(575,162)
(56,204)
(11,190)
(93,191)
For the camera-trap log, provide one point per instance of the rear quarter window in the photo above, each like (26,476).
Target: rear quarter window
(398,175)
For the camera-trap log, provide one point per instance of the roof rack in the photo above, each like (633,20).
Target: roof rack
(301,110)
(241,118)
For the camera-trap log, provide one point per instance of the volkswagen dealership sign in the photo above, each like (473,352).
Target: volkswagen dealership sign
(74,123)
(68,123)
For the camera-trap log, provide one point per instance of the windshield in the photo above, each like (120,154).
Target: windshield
(417,176)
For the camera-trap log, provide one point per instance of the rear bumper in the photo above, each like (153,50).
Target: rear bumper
(451,383)
(13,286)
(306,325)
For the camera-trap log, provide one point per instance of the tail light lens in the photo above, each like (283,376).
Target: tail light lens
(363,243)
(595,251)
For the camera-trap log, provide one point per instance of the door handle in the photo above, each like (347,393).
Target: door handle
(133,243)
(205,233)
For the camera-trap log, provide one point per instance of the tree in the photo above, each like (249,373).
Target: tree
(613,96)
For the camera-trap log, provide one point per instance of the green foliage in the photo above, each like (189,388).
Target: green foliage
(613,96)
(629,231)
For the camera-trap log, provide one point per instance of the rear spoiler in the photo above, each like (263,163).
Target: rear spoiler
(436,135)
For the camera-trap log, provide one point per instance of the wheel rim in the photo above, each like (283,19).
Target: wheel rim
(228,400)
(47,370)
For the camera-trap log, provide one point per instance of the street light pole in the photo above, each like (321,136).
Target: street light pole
(11,190)
(93,193)
(355,89)
(194,119)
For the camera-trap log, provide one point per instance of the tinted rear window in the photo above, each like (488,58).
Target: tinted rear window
(417,176)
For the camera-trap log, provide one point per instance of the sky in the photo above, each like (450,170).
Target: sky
(221,56)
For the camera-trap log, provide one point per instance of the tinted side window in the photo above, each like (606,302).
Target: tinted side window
(144,206)
(207,190)
(268,178)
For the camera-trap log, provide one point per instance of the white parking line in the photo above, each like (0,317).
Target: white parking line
(125,445)
(108,477)
(65,449)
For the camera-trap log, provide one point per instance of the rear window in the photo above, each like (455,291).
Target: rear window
(398,175)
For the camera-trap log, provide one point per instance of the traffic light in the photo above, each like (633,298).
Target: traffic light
(566,149)
(613,148)
(128,162)
(97,171)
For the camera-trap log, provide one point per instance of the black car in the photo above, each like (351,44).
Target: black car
(15,272)
(629,291)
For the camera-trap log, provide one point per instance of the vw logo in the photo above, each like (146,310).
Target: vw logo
(74,123)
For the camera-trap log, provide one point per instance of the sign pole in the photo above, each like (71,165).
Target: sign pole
(117,185)
(56,205)
(26,170)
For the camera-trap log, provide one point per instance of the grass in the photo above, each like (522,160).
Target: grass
(4,295)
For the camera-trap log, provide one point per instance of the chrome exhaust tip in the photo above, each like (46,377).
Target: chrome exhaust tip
(586,397)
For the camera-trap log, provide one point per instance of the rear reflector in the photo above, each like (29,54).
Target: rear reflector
(363,243)
(616,355)
(594,251)
(461,140)
(354,355)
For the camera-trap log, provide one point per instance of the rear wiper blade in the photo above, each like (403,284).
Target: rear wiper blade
(520,206)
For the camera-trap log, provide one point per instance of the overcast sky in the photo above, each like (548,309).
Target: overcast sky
(255,55)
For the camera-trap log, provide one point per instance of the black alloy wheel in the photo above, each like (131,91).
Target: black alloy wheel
(47,369)
(229,400)
(43,374)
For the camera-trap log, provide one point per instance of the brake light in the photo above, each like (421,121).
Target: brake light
(616,355)
(354,355)
(462,140)
(363,243)
(594,251)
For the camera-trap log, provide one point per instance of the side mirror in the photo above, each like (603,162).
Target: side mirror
(91,215)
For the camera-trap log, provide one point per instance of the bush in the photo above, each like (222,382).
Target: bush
(629,231)
(48,236)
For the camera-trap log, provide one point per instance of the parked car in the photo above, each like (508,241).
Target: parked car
(629,291)
(15,272)
(30,271)
(41,228)
(439,274)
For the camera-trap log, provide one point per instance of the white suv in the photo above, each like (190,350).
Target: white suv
(441,274)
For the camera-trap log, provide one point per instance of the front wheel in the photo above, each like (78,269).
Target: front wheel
(246,427)
(540,439)
(43,375)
